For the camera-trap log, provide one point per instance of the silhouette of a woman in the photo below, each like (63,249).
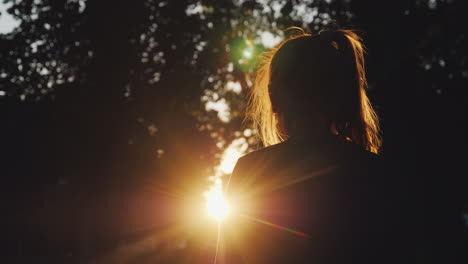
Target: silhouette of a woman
(317,192)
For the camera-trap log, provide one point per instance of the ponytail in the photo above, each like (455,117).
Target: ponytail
(363,128)
(339,56)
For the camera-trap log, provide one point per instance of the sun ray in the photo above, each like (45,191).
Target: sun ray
(287,229)
(218,240)
(253,187)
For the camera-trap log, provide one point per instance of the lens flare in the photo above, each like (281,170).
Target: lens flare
(215,202)
(248,53)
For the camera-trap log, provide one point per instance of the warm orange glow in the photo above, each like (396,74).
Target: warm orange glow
(231,155)
(215,202)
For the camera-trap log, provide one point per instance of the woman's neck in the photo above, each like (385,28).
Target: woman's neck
(308,128)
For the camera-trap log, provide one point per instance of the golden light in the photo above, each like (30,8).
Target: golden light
(231,154)
(215,202)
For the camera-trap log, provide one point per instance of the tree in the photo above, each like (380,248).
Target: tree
(105,99)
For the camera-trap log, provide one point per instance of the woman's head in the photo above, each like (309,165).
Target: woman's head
(313,83)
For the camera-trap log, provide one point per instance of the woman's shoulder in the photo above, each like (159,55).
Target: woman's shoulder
(250,163)
(291,149)
(352,150)
(254,164)
(262,153)
(304,156)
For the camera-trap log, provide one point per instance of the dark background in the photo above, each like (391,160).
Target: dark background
(116,127)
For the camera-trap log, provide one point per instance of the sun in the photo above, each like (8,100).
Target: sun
(215,203)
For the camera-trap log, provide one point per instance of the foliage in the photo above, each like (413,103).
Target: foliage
(102,98)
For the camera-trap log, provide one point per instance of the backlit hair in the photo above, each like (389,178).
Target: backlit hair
(329,68)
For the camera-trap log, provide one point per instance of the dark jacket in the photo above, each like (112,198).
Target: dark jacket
(322,201)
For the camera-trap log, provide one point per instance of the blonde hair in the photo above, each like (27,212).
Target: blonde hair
(361,126)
